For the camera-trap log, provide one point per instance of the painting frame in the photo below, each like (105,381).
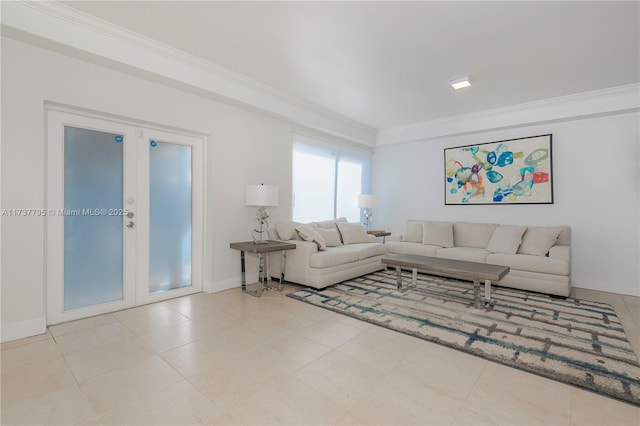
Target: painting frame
(506,172)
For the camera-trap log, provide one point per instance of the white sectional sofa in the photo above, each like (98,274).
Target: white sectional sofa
(326,252)
(539,256)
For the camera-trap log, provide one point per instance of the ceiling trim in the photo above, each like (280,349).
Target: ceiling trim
(616,100)
(84,33)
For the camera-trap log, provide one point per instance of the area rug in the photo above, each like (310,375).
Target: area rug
(573,341)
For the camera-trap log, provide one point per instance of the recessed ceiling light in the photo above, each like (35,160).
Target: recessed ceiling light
(459,83)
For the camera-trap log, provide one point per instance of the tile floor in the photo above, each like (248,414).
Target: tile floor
(229,358)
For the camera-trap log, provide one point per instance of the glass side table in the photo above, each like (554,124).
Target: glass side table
(262,250)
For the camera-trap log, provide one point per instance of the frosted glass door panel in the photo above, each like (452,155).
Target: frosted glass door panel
(169,216)
(93,224)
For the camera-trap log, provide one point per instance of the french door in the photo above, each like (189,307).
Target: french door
(124,215)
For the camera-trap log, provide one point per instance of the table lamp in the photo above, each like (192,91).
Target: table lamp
(367,202)
(261,196)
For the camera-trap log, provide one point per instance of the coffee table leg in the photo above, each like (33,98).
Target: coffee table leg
(399,277)
(414,278)
(487,291)
(476,294)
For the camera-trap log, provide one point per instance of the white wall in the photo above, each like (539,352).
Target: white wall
(243,148)
(596,191)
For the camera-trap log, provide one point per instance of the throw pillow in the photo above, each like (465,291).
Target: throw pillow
(412,232)
(331,236)
(287,230)
(506,239)
(309,233)
(538,240)
(352,233)
(437,234)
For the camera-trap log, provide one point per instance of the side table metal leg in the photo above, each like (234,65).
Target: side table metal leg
(243,271)
(414,277)
(283,264)
(261,274)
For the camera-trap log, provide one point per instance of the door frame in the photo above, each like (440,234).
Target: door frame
(136,268)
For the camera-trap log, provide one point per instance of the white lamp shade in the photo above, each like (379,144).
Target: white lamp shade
(262,195)
(367,201)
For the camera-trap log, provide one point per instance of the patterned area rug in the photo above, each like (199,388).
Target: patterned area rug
(572,341)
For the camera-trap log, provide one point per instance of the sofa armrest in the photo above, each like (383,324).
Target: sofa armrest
(561,253)
(297,266)
(395,237)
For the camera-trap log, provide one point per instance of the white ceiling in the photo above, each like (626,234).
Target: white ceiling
(386,64)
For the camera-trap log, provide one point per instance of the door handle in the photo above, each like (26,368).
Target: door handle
(130,224)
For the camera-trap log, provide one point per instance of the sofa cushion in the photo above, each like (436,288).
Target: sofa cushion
(527,262)
(331,236)
(367,250)
(333,256)
(287,230)
(437,234)
(537,240)
(352,233)
(309,233)
(466,234)
(469,254)
(506,239)
(412,232)
(329,224)
(400,247)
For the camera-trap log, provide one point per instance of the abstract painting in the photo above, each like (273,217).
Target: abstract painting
(514,171)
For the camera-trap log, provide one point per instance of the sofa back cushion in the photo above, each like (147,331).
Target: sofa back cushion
(506,239)
(538,240)
(331,236)
(412,231)
(328,224)
(477,235)
(286,230)
(352,233)
(437,233)
(309,233)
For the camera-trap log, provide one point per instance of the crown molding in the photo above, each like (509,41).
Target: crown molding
(616,100)
(78,34)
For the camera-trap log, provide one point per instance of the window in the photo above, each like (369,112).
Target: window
(327,180)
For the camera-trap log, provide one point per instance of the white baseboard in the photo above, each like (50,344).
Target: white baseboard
(23,329)
(235,282)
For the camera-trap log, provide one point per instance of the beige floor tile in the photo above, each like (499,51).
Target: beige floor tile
(203,355)
(509,396)
(633,305)
(295,351)
(340,377)
(142,380)
(79,325)
(224,420)
(179,404)
(288,402)
(22,355)
(380,348)
(97,337)
(588,408)
(27,340)
(142,310)
(469,417)
(401,399)
(66,406)
(35,380)
(102,359)
(233,381)
(176,335)
(451,372)
(151,320)
(331,332)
